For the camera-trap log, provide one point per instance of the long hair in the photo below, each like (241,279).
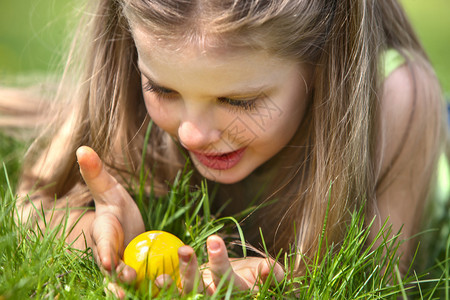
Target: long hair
(332,165)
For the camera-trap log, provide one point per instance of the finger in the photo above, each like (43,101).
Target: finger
(219,263)
(190,276)
(268,267)
(163,281)
(108,236)
(114,289)
(126,274)
(94,174)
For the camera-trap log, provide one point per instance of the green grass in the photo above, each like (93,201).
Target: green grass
(41,265)
(431,20)
(33,34)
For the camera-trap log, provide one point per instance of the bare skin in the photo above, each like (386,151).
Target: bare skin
(110,229)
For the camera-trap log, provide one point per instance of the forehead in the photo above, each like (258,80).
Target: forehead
(167,50)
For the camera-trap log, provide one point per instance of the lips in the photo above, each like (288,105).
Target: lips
(223,161)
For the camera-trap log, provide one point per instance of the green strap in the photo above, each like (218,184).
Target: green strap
(392,60)
(442,193)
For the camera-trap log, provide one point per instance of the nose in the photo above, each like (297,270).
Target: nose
(198,135)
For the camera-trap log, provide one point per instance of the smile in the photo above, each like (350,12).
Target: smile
(223,161)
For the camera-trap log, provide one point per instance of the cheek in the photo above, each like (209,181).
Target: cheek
(283,120)
(162,114)
(281,115)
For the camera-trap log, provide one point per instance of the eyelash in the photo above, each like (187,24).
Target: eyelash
(239,104)
(163,93)
(159,91)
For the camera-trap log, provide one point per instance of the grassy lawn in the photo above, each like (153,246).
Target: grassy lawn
(40,265)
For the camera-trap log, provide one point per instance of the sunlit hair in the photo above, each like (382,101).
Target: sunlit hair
(331,160)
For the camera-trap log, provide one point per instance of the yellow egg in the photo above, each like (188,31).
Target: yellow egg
(151,254)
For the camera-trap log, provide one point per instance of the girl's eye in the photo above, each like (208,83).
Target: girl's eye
(165,93)
(247,104)
(159,91)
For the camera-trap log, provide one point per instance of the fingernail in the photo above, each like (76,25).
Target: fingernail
(185,256)
(213,246)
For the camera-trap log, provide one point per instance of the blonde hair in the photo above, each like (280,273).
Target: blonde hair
(332,157)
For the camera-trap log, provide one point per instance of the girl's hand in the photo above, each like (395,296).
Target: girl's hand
(244,273)
(117,218)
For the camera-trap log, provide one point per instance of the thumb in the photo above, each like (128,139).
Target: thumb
(110,197)
(94,174)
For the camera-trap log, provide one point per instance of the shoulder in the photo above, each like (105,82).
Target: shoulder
(408,128)
(409,118)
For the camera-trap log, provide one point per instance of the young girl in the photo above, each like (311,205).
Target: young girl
(318,103)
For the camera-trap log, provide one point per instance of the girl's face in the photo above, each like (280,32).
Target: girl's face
(231,109)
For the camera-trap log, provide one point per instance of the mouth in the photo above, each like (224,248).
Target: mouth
(220,161)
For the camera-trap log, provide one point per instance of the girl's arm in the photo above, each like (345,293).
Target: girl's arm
(407,149)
